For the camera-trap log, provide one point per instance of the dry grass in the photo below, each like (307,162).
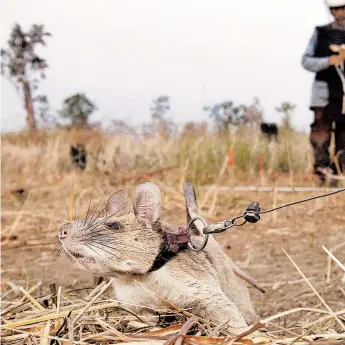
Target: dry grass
(84,319)
(43,298)
(198,158)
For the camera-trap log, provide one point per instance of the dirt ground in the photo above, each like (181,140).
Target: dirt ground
(30,250)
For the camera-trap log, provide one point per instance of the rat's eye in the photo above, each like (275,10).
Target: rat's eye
(114,225)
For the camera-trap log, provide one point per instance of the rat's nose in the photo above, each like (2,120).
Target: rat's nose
(64,231)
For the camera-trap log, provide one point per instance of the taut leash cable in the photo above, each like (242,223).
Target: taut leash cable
(251,215)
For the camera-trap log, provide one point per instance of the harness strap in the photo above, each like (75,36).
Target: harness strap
(173,243)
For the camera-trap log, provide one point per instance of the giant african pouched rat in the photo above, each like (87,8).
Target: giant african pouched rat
(129,246)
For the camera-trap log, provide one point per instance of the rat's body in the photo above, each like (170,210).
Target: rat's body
(192,281)
(126,246)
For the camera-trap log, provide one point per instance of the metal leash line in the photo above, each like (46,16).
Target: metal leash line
(301,201)
(252,215)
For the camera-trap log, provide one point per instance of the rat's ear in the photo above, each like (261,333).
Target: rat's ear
(147,203)
(117,202)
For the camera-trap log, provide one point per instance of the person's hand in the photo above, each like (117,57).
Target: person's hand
(336,60)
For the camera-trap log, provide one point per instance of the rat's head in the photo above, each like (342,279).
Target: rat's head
(121,242)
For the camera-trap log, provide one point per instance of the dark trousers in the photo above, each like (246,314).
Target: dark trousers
(320,138)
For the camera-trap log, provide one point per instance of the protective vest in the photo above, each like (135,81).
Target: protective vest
(326,36)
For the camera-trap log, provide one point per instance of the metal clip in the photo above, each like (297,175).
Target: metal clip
(219,227)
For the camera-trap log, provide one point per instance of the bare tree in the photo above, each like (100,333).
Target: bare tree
(286,108)
(159,108)
(24,67)
(252,115)
(225,114)
(78,108)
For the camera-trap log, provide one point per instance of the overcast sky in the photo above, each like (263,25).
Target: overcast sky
(123,53)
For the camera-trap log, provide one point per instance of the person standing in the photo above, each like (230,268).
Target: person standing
(328,101)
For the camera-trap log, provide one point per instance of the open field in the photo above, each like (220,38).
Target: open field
(38,181)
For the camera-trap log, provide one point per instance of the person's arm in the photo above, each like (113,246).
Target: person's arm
(309,61)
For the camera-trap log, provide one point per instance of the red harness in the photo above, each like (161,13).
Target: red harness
(173,243)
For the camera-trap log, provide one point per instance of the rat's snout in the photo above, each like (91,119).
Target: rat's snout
(64,231)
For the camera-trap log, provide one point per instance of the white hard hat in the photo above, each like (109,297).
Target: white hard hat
(335,3)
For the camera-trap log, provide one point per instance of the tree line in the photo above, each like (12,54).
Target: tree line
(24,68)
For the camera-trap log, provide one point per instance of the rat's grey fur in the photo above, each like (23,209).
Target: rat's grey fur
(203,282)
